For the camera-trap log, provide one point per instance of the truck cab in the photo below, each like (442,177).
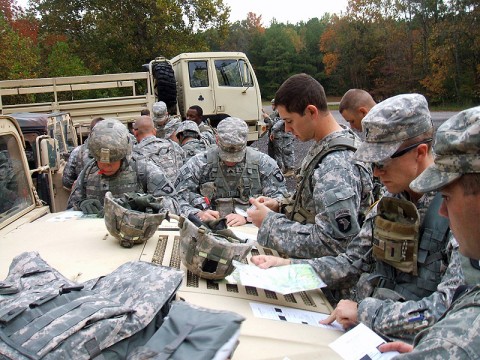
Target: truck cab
(81,248)
(222,83)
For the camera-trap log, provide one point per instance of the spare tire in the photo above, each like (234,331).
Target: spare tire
(165,85)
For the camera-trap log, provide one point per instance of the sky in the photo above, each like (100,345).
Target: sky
(284,11)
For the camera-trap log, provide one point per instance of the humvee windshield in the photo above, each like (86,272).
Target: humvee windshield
(14,192)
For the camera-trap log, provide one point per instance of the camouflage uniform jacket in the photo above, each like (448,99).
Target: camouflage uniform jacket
(197,171)
(193,147)
(207,133)
(78,158)
(92,185)
(394,319)
(456,336)
(162,153)
(338,192)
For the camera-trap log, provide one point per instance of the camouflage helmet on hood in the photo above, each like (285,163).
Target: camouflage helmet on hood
(109,141)
(131,218)
(210,254)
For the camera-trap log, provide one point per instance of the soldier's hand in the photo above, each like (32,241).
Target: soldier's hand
(345,314)
(272,204)
(257,215)
(91,206)
(399,346)
(266,261)
(208,215)
(235,220)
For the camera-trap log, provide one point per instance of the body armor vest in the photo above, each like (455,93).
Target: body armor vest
(95,186)
(162,154)
(242,185)
(431,260)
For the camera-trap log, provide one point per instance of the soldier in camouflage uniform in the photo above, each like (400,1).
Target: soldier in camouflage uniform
(214,183)
(334,191)
(407,254)
(354,105)
(280,142)
(207,134)
(188,135)
(161,152)
(113,169)
(162,119)
(456,174)
(78,158)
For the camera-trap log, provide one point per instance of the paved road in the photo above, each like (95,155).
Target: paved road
(301,148)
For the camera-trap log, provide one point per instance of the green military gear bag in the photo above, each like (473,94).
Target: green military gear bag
(396,234)
(192,332)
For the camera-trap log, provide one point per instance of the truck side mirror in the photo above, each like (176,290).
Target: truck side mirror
(49,154)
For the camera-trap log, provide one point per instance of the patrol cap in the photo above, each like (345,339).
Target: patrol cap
(171,126)
(456,149)
(389,123)
(159,110)
(273,101)
(232,139)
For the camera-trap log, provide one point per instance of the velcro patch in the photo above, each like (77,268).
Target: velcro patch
(344,220)
(278,175)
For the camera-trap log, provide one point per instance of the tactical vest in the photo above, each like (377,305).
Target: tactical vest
(297,212)
(194,147)
(162,154)
(432,261)
(43,315)
(248,183)
(95,186)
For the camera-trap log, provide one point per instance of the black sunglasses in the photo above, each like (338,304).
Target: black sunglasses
(381,164)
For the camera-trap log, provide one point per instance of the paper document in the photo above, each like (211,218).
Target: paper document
(360,343)
(66,215)
(282,279)
(296,316)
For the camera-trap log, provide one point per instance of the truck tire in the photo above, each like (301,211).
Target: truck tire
(165,85)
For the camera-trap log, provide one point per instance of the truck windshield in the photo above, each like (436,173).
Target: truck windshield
(232,72)
(14,192)
(198,73)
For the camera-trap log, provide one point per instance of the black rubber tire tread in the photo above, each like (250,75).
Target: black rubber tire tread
(165,85)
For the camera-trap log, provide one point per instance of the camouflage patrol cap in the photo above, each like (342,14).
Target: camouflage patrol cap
(389,123)
(456,149)
(172,125)
(272,101)
(232,136)
(188,125)
(109,141)
(159,110)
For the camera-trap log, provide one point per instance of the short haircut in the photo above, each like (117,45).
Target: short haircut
(198,109)
(299,91)
(354,99)
(145,112)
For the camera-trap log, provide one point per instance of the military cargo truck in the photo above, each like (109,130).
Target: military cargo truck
(222,83)
(81,248)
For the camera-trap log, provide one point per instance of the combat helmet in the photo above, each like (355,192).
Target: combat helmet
(188,128)
(209,254)
(132,218)
(109,141)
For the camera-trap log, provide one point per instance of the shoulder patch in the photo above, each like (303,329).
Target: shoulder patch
(167,189)
(278,175)
(344,220)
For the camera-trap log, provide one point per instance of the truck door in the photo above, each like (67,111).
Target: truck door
(236,90)
(200,86)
